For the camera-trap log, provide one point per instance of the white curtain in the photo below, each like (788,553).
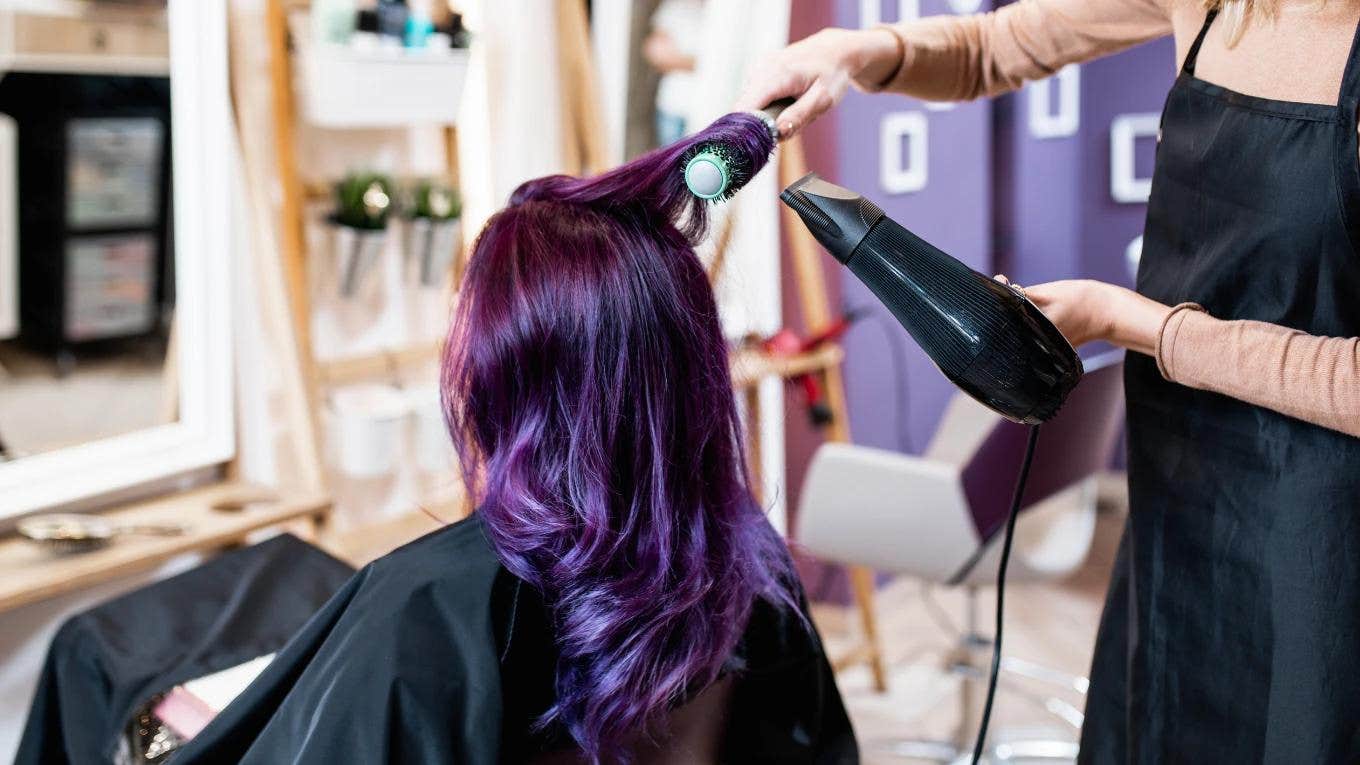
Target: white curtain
(509,124)
(737,36)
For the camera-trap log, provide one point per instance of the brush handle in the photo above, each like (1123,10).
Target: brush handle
(770,114)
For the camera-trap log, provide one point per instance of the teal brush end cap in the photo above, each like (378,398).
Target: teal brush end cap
(706,175)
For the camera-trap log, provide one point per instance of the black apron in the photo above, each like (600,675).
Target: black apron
(1231,632)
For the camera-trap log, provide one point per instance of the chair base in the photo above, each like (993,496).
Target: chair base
(1037,750)
(969,660)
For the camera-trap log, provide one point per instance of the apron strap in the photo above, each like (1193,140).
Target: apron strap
(1348,143)
(1350,81)
(1193,55)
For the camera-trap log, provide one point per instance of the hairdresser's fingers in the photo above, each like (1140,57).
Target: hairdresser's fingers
(772,81)
(818,100)
(788,72)
(1079,308)
(1046,294)
(1004,280)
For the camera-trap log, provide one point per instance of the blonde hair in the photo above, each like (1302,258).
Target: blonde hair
(1237,14)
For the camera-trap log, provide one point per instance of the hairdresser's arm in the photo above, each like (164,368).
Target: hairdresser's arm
(950,58)
(1316,379)
(959,58)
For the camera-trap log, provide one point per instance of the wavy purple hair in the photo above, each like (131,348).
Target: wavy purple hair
(587,390)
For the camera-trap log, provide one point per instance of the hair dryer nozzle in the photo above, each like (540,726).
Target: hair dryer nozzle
(987,338)
(838,217)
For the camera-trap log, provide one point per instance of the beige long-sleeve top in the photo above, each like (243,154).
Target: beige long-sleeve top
(1300,56)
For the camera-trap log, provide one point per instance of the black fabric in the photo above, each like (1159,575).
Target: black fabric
(105,662)
(436,654)
(1232,627)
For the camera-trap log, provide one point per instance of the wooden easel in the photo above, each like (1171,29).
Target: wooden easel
(825,362)
(315,377)
(583,140)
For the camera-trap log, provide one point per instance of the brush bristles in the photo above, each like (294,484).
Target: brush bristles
(654,184)
(741,142)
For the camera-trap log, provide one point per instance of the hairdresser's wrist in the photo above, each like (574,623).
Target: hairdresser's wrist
(876,57)
(1131,320)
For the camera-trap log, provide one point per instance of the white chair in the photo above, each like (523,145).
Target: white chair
(940,518)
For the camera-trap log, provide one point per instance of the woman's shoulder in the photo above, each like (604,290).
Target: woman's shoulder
(451,570)
(455,550)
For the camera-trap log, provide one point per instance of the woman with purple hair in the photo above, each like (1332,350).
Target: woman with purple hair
(618,595)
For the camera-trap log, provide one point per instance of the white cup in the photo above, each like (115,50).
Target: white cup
(367,427)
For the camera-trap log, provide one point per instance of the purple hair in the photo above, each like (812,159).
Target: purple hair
(588,394)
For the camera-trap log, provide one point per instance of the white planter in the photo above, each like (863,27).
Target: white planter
(368,423)
(357,252)
(430,247)
(433,447)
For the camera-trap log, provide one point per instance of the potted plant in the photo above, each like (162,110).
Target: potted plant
(363,204)
(434,208)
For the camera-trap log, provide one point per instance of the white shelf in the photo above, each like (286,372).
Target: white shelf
(341,87)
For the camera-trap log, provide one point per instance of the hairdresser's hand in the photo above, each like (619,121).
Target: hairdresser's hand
(1085,310)
(817,70)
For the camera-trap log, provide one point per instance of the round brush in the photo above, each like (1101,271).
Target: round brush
(717,169)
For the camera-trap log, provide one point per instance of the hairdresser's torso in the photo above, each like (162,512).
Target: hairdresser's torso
(1231,627)
(1299,57)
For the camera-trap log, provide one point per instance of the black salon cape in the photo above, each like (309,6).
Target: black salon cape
(105,662)
(436,654)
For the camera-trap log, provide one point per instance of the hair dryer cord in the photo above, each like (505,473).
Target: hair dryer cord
(1001,589)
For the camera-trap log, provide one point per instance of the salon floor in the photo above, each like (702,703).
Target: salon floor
(103,395)
(1053,625)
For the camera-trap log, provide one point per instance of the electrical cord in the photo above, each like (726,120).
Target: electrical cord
(898,357)
(1001,589)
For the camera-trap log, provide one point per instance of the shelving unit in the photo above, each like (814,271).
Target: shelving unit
(750,366)
(291,71)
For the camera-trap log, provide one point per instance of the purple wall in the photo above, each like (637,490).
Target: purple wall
(801,438)
(953,210)
(1004,191)
(1055,216)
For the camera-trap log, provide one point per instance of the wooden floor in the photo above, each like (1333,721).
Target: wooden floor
(1052,624)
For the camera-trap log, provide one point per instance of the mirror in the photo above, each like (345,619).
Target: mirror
(113,127)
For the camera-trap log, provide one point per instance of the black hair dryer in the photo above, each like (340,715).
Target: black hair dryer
(986,337)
